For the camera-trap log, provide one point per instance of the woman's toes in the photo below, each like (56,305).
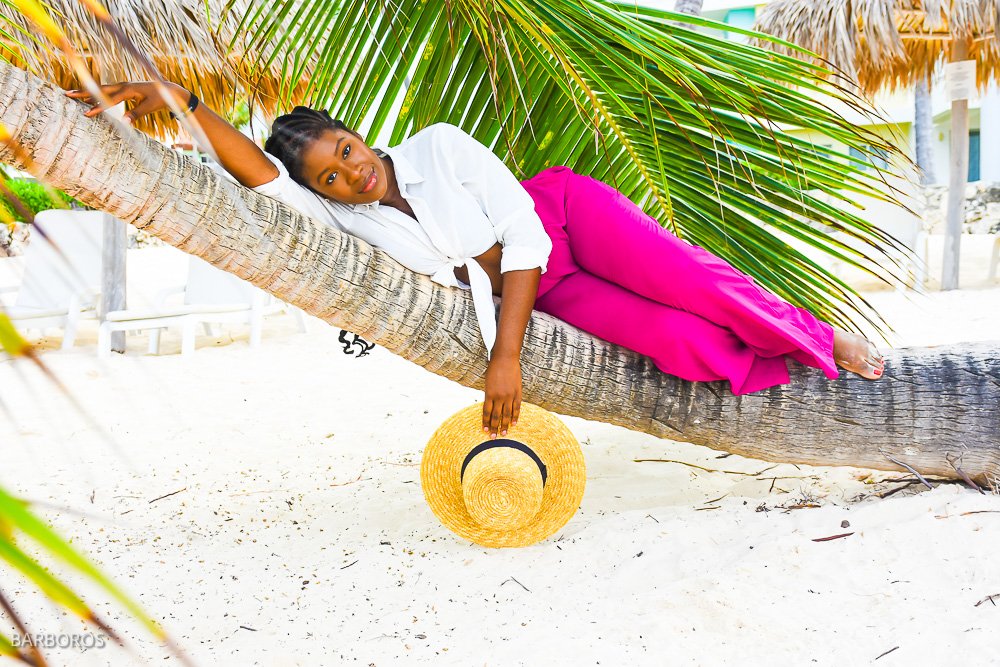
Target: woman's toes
(857,354)
(869,371)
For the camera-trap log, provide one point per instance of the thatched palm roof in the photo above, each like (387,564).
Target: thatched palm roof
(888,43)
(187,40)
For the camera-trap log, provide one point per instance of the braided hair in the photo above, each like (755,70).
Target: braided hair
(290,134)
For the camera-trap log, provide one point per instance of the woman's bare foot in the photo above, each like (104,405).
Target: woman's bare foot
(857,354)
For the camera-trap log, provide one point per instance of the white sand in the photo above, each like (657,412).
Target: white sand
(296,463)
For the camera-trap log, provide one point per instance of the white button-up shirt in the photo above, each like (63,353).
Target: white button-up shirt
(465,200)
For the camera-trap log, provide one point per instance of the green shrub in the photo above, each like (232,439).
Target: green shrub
(33,196)
(239,116)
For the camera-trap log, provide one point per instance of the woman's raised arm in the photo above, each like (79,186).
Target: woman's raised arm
(237,153)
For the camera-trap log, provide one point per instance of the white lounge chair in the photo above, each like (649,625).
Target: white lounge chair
(210,296)
(61,279)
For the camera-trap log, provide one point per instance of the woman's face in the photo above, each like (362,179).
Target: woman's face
(340,166)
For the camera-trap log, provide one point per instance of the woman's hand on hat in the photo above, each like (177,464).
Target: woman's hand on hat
(502,405)
(145,97)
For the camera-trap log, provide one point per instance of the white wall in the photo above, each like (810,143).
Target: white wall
(989,137)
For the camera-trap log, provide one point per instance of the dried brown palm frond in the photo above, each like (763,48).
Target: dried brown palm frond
(888,43)
(187,40)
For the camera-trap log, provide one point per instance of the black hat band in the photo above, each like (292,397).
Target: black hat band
(503,442)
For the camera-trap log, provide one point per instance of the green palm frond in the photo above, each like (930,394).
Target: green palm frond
(693,127)
(17,516)
(18,521)
(7,648)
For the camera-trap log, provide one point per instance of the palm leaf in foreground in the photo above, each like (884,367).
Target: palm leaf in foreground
(17,519)
(693,127)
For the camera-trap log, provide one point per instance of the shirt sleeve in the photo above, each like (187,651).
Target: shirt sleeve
(299,197)
(503,199)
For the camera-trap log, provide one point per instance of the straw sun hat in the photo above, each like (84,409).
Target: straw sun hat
(509,492)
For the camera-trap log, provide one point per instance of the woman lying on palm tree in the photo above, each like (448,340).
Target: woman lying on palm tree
(566,244)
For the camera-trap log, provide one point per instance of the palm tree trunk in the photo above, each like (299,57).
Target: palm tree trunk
(692,7)
(923,125)
(934,405)
(959,178)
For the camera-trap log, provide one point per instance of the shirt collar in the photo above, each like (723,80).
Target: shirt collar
(406,173)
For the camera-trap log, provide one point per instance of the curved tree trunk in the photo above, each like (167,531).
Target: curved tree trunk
(933,403)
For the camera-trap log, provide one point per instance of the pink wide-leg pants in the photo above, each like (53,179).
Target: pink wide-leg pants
(616,273)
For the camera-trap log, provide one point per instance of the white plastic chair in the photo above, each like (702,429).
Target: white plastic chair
(58,290)
(210,296)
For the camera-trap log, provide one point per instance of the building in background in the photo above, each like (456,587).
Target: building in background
(897,108)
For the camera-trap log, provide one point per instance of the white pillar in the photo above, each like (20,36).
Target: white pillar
(989,134)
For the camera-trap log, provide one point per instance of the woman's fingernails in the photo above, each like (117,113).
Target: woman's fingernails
(503,433)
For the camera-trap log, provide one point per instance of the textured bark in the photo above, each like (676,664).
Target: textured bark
(113,261)
(689,7)
(932,404)
(923,126)
(959,178)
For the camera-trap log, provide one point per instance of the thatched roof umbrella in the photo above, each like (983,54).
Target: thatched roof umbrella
(187,40)
(888,44)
